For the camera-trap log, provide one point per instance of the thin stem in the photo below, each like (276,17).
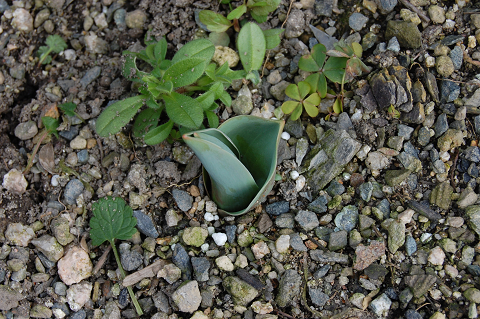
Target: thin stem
(130,291)
(35,150)
(44,56)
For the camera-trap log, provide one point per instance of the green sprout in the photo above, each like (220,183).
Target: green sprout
(54,43)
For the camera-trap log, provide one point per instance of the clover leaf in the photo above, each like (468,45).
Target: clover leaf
(299,94)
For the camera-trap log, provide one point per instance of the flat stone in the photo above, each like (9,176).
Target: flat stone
(289,288)
(145,224)
(242,292)
(78,295)
(26,130)
(366,255)
(407,33)
(74,266)
(187,297)
(420,284)
(9,298)
(15,182)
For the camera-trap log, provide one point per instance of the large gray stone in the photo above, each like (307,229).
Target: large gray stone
(328,158)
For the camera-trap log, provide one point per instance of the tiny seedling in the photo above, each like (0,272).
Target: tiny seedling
(299,94)
(51,126)
(113,219)
(55,44)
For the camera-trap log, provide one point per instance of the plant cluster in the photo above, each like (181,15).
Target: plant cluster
(187,86)
(339,66)
(252,41)
(54,43)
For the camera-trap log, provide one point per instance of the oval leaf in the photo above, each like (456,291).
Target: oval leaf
(215,22)
(200,48)
(147,119)
(158,134)
(272,38)
(117,115)
(185,72)
(289,106)
(297,112)
(184,110)
(237,13)
(303,89)
(251,46)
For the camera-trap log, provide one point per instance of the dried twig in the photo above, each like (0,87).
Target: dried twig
(288,13)
(102,260)
(468,59)
(420,13)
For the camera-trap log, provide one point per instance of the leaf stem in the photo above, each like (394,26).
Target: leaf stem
(35,150)
(130,291)
(44,56)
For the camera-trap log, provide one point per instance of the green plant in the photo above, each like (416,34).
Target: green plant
(339,66)
(252,41)
(169,85)
(258,9)
(113,219)
(299,93)
(54,43)
(243,147)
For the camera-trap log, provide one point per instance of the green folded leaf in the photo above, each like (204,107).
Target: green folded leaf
(145,120)
(117,115)
(297,112)
(184,110)
(292,92)
(185,72)
(318,83)
(357,49)
(251,46)
(257,141)
(215,22)
(158,134)
(130,70)
(335,68)
(237,13)
(206,99)
(303,89)
(289,106)
(272,37)
(200,48)
(231,194)
(337,106)
(310,104)
(51,124)
(68,108)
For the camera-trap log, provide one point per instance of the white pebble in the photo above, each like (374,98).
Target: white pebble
(285,136)
(55,180)
(211,230)
(219,238)
(294,175)
(204,247)
(300,183)
(216,217)
(208,217)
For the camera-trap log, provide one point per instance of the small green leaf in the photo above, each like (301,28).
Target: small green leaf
(206,99)
(337,106)
(56,43)
(158,134)
(357,49)
(112,219)
(226,98)
(200,48)
(184,110)
(212,118)
(219,39)
(289,106)
(307,63)
(147,119)
(310,104)
(337,54)
(161,50)
(319,54)
(292,92)
(335,68)
(253,76)
(51,124)
(215,22)
(130,70)
(185,72)
(237,13)
(43,53)
(272,37)
(68,108)
(303,89)
(117,115)
(251,46)
(261,8)
(260,18)
(297,112)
